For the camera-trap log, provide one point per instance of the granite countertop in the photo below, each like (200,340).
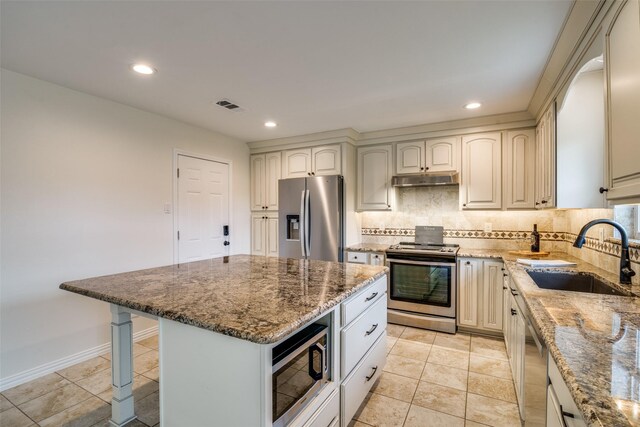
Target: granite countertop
(255,298)
(368,247)
(594,339)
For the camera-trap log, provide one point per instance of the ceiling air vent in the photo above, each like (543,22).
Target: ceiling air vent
(229,105)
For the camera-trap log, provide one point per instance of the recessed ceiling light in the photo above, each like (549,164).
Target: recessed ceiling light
(270,124)
(143,69)
(472,105)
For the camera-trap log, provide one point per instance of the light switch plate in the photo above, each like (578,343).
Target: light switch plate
(488,227)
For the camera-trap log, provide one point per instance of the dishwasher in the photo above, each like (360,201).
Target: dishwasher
(535,371)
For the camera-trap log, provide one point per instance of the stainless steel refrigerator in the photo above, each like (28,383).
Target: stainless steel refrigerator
(311,217)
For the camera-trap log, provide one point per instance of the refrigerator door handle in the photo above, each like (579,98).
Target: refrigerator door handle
(307,224)
(302,224)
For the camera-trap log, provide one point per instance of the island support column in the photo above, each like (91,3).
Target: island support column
(121,366)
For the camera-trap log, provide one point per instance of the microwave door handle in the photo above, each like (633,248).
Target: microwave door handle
(317,376)
(301,224)
(307,224)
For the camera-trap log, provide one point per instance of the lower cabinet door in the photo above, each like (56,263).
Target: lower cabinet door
(355,387)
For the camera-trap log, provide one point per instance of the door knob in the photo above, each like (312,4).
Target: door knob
(226,243)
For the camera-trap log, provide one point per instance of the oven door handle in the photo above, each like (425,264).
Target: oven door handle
(401,261)
(317,376)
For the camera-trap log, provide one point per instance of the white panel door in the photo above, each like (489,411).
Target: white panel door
(203,208)
(410,157)
(374,189)
(272,174)
(271,231)
(257,182)
(326,160)
(442,154)
(297,163)
(520,152)
(469,282)
(482,171)
(492,305)
(258,232)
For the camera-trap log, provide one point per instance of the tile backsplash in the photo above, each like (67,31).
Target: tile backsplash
(510,230)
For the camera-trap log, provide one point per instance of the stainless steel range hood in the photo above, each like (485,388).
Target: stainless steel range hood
(425,179)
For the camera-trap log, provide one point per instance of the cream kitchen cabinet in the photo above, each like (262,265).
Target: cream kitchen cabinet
(622,59)
(481,185)
(480,294)
(265,173)
(469,278)
(432,155)
(519,167)
(322,160)
(374,191)
(546,160)
(264,234)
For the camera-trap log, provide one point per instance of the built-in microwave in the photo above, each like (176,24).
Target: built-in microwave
(300,371)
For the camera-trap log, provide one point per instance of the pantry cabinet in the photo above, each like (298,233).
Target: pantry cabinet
(545,188)
(322,160)
(374,191)
(519,166)
(622,59)
(265,173)
(432,155)
(481,185)
(480,294)
(264,234)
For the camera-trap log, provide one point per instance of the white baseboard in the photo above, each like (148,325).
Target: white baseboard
(65,362)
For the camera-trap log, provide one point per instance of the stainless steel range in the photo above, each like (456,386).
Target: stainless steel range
(422,281)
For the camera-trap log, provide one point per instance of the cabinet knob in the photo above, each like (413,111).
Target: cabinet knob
(388,206)
(543,201)
(468,262)
(537,203)
(421,169)
(427,168)
(603,190)
(464,205)
(513,312)
(313,173)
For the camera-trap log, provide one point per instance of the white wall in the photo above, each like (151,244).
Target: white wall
(84,181)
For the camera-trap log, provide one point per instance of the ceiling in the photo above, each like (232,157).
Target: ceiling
(310,66)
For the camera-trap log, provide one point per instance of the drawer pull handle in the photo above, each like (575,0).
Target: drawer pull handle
(565,414)
(373,295)
(375,368)
(370,331)
(513,292)
(513,312)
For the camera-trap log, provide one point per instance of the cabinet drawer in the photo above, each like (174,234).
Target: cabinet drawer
(363,299)
(355,388)
(376,258)
(359,336)
(327,412)
(357,257)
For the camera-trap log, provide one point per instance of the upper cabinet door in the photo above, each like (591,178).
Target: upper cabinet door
(374,191)
(546,160)
(326,160)
(481,186)
(442,155)
(257,182)
(410,157)
(272,173)
(297,163)
(622,58)
(519,164)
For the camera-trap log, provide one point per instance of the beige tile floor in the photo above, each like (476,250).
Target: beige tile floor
(430,379)
(80,396)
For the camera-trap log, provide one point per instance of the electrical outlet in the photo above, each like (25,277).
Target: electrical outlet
(488,227)
(167,208)
(601,235)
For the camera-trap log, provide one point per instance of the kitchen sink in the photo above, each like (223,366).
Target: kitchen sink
(574,282)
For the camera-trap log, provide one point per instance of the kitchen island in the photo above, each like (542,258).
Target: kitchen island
(218,322)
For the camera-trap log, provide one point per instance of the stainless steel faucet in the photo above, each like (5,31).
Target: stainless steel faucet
(626,273)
